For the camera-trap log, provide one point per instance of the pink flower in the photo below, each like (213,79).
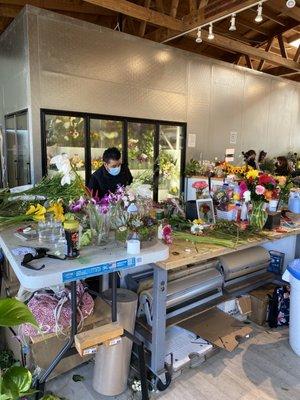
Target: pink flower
(259,190)
(243,188)
(167,234)
(201,185)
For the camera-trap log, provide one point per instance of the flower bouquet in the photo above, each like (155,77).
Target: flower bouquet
(259,188)
(200,186)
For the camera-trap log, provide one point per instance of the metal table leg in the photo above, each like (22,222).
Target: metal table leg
(40,385)
(159,319)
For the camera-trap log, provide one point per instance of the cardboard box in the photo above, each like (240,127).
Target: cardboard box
(218,328)
(260,302)
(43,348)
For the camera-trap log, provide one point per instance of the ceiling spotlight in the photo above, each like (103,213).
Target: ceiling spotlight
(199,38)
(259,16)
(211,35)
(232,23)
(290,3)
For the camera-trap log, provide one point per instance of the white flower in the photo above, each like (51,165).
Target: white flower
(196,229)
(63,165)
(247,196)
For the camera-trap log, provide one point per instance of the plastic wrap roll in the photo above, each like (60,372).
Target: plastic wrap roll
(112,362)
(244,262)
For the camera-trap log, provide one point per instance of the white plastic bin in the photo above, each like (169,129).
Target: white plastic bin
(292,275)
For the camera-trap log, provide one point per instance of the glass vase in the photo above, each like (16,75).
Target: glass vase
(258,216)
(99,225)
(200,194)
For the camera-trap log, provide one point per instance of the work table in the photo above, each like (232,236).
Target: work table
(183,253)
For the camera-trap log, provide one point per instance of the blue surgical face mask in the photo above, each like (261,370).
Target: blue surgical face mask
(114,171)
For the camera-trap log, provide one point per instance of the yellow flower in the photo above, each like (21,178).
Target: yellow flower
(30,210)
(58,211)
(236,197)
(252,174)
(37,212)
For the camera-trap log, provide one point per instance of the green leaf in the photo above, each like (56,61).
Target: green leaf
(13,312)
(50,397)
(78,378)
(17,380)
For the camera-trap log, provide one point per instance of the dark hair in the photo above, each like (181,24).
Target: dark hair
(261,156)
(112,153)
(283,161)
(248,154)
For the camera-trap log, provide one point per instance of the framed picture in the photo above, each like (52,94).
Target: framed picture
(205,211)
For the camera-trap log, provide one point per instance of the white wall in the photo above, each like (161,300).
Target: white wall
(78,66)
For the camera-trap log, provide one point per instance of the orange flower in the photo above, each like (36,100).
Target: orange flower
(268,194)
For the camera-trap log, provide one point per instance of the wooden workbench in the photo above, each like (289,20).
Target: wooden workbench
(183,253)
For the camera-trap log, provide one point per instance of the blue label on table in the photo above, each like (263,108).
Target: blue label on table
(98,270)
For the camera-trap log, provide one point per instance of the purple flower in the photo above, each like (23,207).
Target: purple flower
(78,205)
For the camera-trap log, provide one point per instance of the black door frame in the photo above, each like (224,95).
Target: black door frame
(88,116)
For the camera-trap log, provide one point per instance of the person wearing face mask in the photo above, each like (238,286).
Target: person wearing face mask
(110,175)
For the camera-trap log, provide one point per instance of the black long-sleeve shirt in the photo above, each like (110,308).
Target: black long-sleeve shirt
(102,182)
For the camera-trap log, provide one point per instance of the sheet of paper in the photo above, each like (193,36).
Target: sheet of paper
(191,140)
(183,343)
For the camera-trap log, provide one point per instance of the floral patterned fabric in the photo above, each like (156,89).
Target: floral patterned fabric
(53,311)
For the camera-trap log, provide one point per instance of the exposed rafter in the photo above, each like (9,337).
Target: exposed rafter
(258,54)
(140,12)
(143,24)
(267,49)
(280,6)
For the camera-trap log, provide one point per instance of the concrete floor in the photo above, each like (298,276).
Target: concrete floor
(262,368)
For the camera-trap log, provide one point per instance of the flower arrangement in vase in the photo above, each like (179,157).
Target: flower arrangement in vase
(200,187)
(259,188)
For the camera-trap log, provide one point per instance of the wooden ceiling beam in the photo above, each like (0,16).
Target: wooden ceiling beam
(143,24)
(174,8)
(197,18)
(297,55)
(280,6)
(253,52)
(248,62)
(280,71)
(267,49)
(57,5)
(252,26)
(281,46)
(192,5)
(139,12)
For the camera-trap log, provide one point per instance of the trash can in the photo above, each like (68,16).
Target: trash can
(112,362)
(292,275)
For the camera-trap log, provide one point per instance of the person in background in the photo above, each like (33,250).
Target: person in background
(249,158)
(282,167)
(110,175)
(262,156)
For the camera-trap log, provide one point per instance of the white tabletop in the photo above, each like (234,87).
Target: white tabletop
(93,261)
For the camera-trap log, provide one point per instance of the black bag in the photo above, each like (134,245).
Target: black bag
(279,307)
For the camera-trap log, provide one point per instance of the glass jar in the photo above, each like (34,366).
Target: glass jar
(49,230)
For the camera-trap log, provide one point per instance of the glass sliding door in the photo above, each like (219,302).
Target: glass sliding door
(24,170)
(103,134)
(17,150)
(171,146)
(141,139)
(65,134)
(11,151)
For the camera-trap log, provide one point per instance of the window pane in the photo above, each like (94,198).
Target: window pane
(65,135)
(24,174)
(104,134)
(170,147)
(141,151)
